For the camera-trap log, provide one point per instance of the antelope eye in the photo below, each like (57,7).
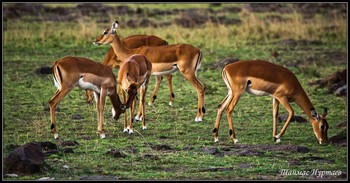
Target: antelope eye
(323,127)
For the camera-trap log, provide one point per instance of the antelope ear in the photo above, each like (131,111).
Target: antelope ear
(114,27)
(315,115)
(325,112)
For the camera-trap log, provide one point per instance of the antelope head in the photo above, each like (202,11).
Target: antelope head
(107,36)
(320,126)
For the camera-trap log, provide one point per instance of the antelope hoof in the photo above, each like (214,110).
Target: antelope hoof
(131,131)
(170,104)
(55,135)
(113,113)
(138,118)
(144,128)
(235,141)
(216,139)
(150,103)
(198,119)
(126,130)
(102,135)
(277,139)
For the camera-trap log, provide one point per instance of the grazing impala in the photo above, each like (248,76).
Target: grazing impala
(165,60)
(264,78)
(133,76)
(69,72)
(135,41)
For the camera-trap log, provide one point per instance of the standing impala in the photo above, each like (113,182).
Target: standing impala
(264,78)
(133,76)
(165,60)
(135,41)
(69,72)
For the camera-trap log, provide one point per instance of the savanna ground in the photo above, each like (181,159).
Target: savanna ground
(309,39)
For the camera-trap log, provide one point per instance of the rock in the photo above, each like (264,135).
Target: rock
(46,178)
(26,159)
(11,175)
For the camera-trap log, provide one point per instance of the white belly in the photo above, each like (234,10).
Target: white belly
(257,92)
(172,70)
(88,86)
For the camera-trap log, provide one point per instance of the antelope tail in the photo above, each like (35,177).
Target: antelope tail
(57,77)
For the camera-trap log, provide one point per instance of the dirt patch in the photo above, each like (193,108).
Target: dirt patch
(196,17)
(130,149)
(77,117)
(216,169)
(309,10)
(252,150)
(294,162)
(150,156)
(335,83)
(341,124)
(212,151)
(230,10)
(298,119)
(306,160)
(191,18)
(339,139)
(187,17)
(317,159)
(268,7)
(44,70)
(161,147)
(302,42)
(116,153)
(99,177)
(68,143)
(86,137)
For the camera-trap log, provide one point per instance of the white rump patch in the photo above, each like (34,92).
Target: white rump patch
(57,84)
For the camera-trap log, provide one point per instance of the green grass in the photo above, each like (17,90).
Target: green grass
(29,45)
